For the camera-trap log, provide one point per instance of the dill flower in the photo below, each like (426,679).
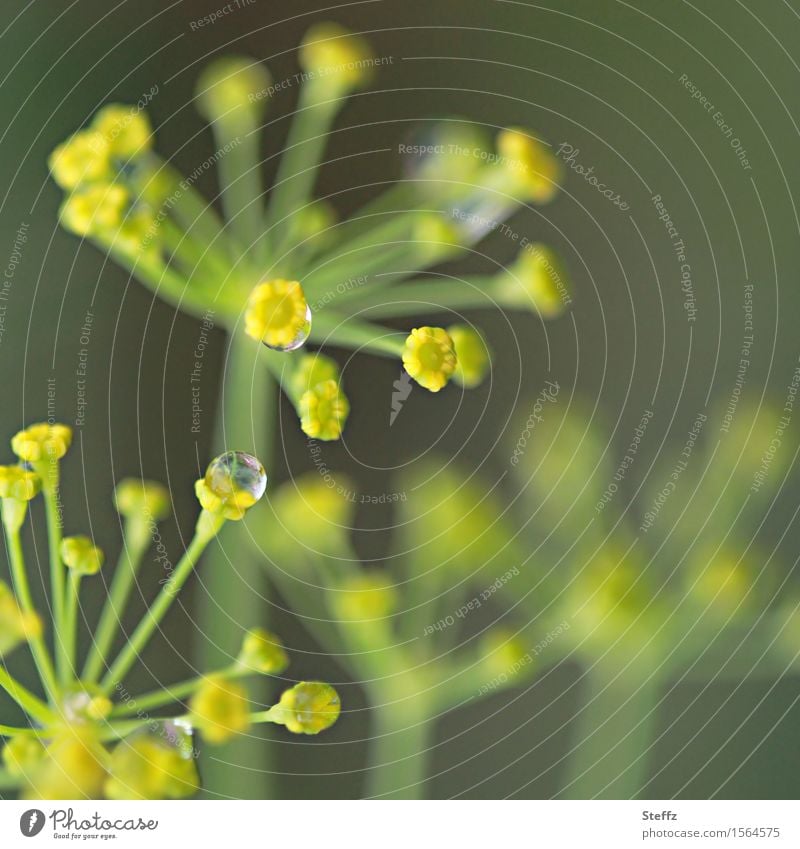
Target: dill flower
(263,652)
(278,315)
(84,158)
(127,132)
(311,370)
(42,441)
(323,410)
(532,166)
(334,54)
(472,355)
(229,89)
(73,766)
(429,357)
(219,709)
(134,498)
(233,483)
(308,708)
(81,555)
(19,483)
(150,766)
(94,738)
(98,209)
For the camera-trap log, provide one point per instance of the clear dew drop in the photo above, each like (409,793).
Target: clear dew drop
(299,340)
(235,472)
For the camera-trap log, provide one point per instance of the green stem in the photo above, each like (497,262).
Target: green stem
(420,296)
(208,526)
(41,656)
(133,550)
(302,156)
(8,781)
(235,597)
(50,491)
(32,705)
(332,329)
(240,180)
(401,737)
(171,693)
(71,620)
(613,732)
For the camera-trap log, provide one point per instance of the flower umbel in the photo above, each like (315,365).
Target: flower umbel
(275,262)
(88,744)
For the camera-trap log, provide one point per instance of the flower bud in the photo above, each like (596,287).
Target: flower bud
(308,708)
(472,355)
(533,170)
(136,498)
(73,767)
(81,555)
(153,766)
(263,652)
(83,158)
(95,210)
(503,653)
(278,315)
(312,370)
(126,130)
(220,709)
(429,357)
(233,483)
(336,58)
(323,411)
(537,278)
(230,90)
(42,442)
(19,483)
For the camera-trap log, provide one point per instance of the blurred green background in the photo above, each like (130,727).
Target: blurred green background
(601,76)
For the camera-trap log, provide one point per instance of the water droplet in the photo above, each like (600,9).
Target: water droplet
(234,473)
(300,339)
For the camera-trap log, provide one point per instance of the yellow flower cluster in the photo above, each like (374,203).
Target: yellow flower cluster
(429,357)
(91,165)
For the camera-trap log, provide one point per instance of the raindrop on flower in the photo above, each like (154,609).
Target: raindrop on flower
(301,337)
(234,474)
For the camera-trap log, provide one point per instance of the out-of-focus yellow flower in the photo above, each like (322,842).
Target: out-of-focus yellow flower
(472,355)
(73,767)
(333,53)
(81,555)
(126,130)
(16,626)
(364,597)
(323,411)
(429,357)
(42,442)
(277,314)
(436,237)
(723,583)
(312,370)
(142,498)
(233,483)
(95,210)
(537,278)
(232,89)
(220,709)
(149,767)
(19,483)
(533,168)
(315,510)
(308,708)
(83,158)
(503,653)
(263,652)
(22,754)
